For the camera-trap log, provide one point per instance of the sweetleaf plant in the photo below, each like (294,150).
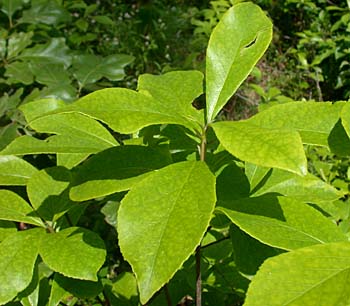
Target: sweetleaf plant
(221,212)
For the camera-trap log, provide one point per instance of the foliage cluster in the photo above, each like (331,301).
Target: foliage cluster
(147,199)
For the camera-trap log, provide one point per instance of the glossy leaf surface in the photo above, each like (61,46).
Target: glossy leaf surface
(127,111)
(115,169)
(54,51)
(162,220)
(40,107)
(307,188)
(282,222)
(176,89)
(90,68)
(14,208)
(235,46)
(315,275)
(55,144)
(15,171)
(18,254)
(74,125)
(263,146)
(314,121)
(82,253)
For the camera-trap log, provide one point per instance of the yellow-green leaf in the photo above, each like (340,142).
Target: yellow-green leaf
(235,46)
(263,146)
(162,220)
(315,275)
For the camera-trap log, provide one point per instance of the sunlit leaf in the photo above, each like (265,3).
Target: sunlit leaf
(162,220)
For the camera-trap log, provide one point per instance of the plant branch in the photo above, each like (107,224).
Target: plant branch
(198,277)
(202,151)
(167,295)
(215,242)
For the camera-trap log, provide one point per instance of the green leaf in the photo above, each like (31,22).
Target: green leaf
(116,169)
(162,220)
(7,228)
(55,51)
(14,208)
(9,7)
(235,46)
(231,184)
(74,252)
(15,171)
(308,188)
(104,20)
(345,118)
(64,289)
(7,134)
(17,42)
(123,291)
(38,108)
(127,111)
(18,254)
(314,121)
(281,222)
(263,146)
(48,192)
(255,174)
(110,212)
(19,72)
(90,68)
(77,126)
(176,89)
(50,73)
(45,11)
(248,252)
(70,160)
(339,141)
(316,275)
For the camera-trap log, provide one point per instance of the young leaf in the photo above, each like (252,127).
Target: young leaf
(14,208)
(176,89)
(314,121)
(18,254)
(81,253)
(15,171)
(162,220)
(281,222)
(263,146)
(114,170)
(315,275)
(235,46)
